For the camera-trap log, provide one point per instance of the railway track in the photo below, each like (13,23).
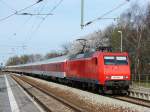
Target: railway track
(22,81)
(73,107)
(133,100)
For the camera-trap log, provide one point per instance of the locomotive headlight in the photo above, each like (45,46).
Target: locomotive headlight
(108,77)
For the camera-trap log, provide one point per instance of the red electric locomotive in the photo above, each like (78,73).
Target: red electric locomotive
(108,71)
(99,70)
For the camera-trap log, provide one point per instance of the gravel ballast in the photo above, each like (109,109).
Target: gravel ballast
(91,101)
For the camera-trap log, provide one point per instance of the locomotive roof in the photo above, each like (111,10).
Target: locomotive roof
(52,60)
(83,55)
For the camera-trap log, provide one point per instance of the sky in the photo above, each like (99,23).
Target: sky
(25,34)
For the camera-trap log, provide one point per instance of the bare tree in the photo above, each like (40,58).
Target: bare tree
(66,48)
(52,54)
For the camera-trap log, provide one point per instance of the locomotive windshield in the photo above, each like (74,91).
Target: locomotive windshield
(115,60)
(109,60)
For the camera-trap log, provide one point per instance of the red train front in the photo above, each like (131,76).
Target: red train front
(108,71)
(114,71)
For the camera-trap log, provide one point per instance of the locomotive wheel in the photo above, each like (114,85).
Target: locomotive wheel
(84,86)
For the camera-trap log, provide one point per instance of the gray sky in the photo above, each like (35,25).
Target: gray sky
(61,27)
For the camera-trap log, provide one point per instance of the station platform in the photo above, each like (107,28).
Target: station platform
(14,99)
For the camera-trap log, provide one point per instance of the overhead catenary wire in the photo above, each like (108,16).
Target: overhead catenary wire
(41,9)
(32,14)
(103,15)
(39,13)
(46,16)
(7,5)
(51,11)
(5,18)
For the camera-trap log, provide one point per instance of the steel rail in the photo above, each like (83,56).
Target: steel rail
(34,97)
(132,100)
(64,102)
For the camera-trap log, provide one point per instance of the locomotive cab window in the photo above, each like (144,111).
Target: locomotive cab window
(115,60)
(121,60)
(109,60)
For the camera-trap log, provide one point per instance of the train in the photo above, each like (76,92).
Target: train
(103,71)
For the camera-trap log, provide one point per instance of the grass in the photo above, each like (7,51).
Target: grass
(141,84)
